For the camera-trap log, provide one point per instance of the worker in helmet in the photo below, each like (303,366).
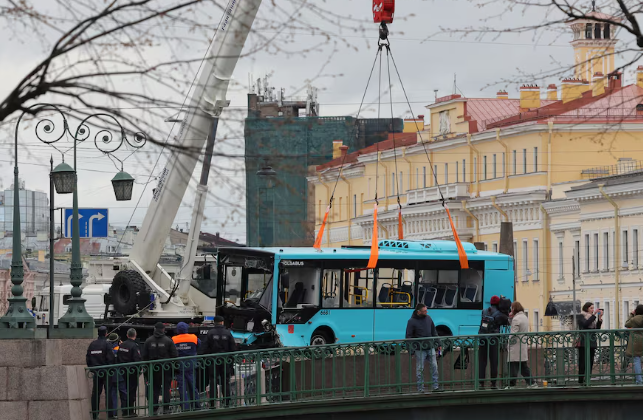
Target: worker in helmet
(187,345)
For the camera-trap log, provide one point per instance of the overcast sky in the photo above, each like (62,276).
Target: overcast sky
(425,65)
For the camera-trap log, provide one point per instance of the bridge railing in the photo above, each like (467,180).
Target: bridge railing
(363,370)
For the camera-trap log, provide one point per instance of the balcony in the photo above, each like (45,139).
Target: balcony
(458,190)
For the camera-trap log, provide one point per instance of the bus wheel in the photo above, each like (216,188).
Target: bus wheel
(321,337)
(447,344)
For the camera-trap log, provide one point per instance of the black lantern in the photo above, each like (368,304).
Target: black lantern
(268,174)
(123,184)
(64,178)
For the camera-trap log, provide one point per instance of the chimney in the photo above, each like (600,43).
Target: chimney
(529,96)
(639,76)
(615,81)
(336,145)
(571,89)
(552,92)
(502,94)
(343,150)
(598,84)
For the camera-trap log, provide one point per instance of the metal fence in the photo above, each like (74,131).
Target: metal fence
(363,370)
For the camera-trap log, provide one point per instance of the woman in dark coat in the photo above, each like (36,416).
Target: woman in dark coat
(589,319)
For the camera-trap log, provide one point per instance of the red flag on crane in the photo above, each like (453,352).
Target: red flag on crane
(375,250)
(320,234)
(464,261)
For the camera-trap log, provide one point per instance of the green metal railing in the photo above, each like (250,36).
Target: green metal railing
(364,370)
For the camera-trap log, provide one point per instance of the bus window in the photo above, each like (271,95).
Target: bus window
(330,288)
(451,287)
(232,292)
(256,284)
(302,288)
(358,292)
(394,288)
(471,289)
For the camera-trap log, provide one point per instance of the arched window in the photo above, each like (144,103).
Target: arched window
(588,31)
(606,31)
(597,31)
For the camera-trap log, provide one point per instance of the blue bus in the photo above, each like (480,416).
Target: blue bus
(311,297)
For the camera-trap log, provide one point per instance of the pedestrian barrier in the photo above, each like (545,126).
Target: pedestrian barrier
(363,370)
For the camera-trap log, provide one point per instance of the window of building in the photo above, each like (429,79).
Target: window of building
(393,184)
(486,247)
(494,247)
(504,163)
(435,175)
(446,173)
(606,251)
(576,259)
(417,178)
(536,260)
(561,260)
(401,190)
(606,316)
(340,208)
(625,250)
(475,169)
(588,31)
(355,205)
(516,254)
(596,252)
(464,170)
(536,327)
(457,171)
(424,176)
(626,311)
(606,31)
(515,170)
(635,248)
(525,260)
(587,253)
(361,203)
(524,161)
(495,173)
(484,167)
(597,31)
(535,159)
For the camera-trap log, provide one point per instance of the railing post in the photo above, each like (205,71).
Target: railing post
(150,390)
(367,350)
(612,360)
(476,362)
(588,354)
(258,376)
(398,368)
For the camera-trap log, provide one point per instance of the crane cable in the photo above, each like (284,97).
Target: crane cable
(464,262)
(320,234)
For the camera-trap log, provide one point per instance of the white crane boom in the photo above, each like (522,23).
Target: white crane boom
(206,104)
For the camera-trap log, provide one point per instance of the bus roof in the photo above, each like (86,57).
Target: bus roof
(389,249)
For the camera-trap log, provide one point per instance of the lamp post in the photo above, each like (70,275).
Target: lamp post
(269,175)
(77,323)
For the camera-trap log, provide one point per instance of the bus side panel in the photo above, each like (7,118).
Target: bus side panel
(499,283)
(348,325)
(390,323)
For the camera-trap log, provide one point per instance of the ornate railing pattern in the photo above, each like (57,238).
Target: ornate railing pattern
(362,370)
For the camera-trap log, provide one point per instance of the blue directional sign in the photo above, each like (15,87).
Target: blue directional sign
(93,223)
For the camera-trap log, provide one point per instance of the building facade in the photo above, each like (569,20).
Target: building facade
(492,160)
(34,211)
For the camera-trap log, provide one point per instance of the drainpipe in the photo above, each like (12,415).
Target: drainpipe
(350,196)
(493,203)
(464,207)
(617,256)
(506,163)
(319,178)
(545,272)
(473,149)
(551,129)
(379,160)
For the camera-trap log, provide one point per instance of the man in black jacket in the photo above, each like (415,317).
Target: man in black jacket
(100,353)
(129,352)
(220,340)
(159,347)
(493,319)
(420,325)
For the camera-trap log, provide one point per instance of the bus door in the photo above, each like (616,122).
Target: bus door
(394,302)
(355,317)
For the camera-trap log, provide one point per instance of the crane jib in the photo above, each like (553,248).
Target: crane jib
(229,11)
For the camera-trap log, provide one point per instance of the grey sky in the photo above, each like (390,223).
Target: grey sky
(424,66)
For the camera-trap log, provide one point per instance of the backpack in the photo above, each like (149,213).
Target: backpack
(488,324)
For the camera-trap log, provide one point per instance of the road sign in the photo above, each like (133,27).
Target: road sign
(93,223)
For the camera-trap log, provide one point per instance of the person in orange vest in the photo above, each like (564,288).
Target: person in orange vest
(187,345)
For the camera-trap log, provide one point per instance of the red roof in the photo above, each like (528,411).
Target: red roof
(401,140)
(484,109)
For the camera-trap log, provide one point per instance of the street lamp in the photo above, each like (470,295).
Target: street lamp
(76,323)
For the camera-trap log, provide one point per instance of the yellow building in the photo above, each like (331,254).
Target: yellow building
(493,159)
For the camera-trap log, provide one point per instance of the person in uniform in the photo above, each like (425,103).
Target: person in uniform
(220,340)
(115,384)
(160,347)
(129,352)
(186,345)
(100,353)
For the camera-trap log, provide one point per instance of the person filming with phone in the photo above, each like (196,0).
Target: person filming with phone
(589,319)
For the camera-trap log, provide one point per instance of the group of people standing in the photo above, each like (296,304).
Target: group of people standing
(503,316)
(110,350)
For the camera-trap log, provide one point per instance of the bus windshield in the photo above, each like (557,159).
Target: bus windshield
(243,277)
